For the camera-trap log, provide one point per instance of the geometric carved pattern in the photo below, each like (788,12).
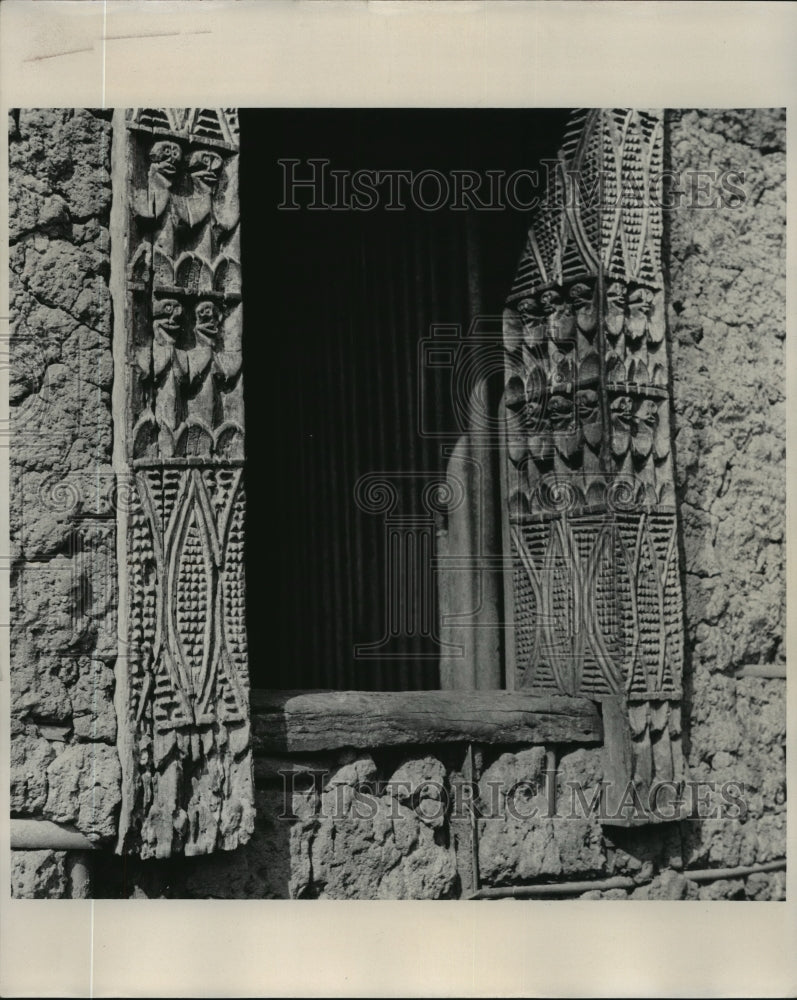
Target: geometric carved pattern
(589,474)
(189,664)
(601,593)
(188,698)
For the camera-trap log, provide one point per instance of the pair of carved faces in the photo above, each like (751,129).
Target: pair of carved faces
(204,166)
(580,417)
(167,319)
(633,426)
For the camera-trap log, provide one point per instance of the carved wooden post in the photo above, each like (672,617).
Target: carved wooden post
(592,519)
(184,698)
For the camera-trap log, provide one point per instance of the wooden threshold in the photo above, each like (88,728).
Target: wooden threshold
(306,721)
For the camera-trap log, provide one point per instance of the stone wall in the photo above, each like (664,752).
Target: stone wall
(727,315)
(64,765)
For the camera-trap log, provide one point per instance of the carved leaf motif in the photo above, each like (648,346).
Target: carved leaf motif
(589,369)
(229,440)
(615,309)
(585,308)
(141,264)
(615,368)
(638,372)
(227,276)
(657,323)
(621,425)
(645,423)
(661,439)
(515,393)
(590,417)
(162,269)
(640,304)
(512,330)
(563,371)
(193,438)
(559,318)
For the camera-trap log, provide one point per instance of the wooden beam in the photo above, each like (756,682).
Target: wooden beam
(42,834)
(306,721)
(618,762)
(768,670)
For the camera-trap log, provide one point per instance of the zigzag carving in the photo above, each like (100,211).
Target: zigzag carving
(589,475)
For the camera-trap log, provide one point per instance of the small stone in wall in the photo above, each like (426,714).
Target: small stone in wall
(37,692)
(766,885)
(84,789)
(421,784)
(607,894)
(30,756)
(722,889)
(38,875)
(667,885)
(345,784)
(92,701)
(513,776)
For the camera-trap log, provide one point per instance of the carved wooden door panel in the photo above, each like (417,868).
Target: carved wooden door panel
(589,483)
(184,721)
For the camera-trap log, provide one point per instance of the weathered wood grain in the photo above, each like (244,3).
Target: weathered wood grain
(304,721)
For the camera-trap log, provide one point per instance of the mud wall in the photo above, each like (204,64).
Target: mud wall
(64,765)
(727,313)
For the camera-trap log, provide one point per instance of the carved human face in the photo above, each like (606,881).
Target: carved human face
(207,320)
(167,315)
(648,413)
(526,310)
(205,167)
(164,158)
(615,294)
(537,415)
(580,295)
(550,301)
(588,406)
(640,300)
(561,413)
(562,370)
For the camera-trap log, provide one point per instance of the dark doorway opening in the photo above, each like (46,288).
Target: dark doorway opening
(336,303)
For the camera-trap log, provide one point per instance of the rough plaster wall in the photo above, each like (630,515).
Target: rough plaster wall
(728,324)
(352,839)
(64,765)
